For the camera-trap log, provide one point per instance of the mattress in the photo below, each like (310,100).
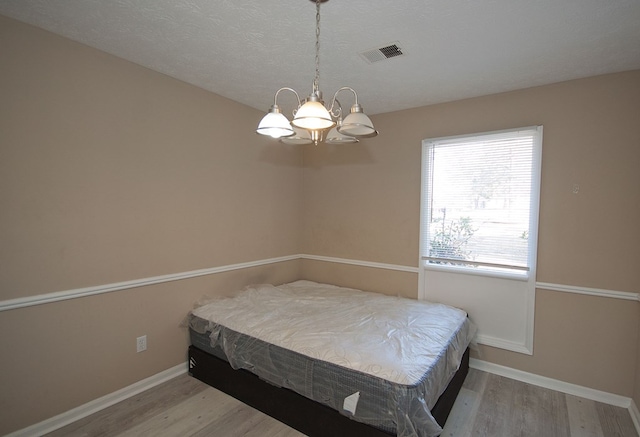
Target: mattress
(380,360)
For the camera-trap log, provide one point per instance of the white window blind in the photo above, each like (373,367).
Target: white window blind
(480,200)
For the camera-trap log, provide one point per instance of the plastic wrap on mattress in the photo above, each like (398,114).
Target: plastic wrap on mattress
(381,360)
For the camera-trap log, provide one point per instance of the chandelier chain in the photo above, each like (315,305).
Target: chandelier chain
(316,80)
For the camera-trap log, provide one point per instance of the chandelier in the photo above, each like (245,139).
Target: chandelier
(312,121)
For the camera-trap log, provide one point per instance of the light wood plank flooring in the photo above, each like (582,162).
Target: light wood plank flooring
(488,406)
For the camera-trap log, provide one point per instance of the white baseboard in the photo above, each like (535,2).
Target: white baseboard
(553,384)
(96,405)
(564,387)
(99,404)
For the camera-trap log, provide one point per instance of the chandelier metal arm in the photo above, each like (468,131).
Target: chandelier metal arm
(336,109)
(286,88)
(344,88)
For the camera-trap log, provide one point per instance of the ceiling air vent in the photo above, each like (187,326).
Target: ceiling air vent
(382,53)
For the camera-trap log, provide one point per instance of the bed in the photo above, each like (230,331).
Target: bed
(329,360)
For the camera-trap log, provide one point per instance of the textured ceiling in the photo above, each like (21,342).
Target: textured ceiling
(454,49)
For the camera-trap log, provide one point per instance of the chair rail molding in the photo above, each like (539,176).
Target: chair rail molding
(41,299)
(625,295)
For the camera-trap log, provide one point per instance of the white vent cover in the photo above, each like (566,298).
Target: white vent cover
(381,53)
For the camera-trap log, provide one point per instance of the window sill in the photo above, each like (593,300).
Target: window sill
(480,271)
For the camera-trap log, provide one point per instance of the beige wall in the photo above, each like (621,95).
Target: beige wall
(110,172)
(365,198)
(385,281)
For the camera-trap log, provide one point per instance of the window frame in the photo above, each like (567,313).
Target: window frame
(501,304)
(521,274)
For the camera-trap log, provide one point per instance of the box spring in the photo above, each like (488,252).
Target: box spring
(310,417)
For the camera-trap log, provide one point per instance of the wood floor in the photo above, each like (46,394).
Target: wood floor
(488,406)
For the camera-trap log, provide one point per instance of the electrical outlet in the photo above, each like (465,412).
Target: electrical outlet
(141,343)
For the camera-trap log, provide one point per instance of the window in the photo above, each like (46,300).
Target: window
(480,202)
(479,227)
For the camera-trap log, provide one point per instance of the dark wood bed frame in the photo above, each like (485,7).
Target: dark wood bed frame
(307,416)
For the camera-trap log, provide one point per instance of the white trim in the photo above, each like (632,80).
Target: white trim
(512,275)
(11,304)
(40,299)
(536,187)
(522,348)
(362,263)
(553,384)
(457,138)
(424,205)
(625,295)
(99,404)
(498,287)
(635,415)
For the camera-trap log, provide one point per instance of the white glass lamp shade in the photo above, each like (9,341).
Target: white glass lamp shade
(313,116)
(357,124)
(300,138)
(275,124)
(335,137)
